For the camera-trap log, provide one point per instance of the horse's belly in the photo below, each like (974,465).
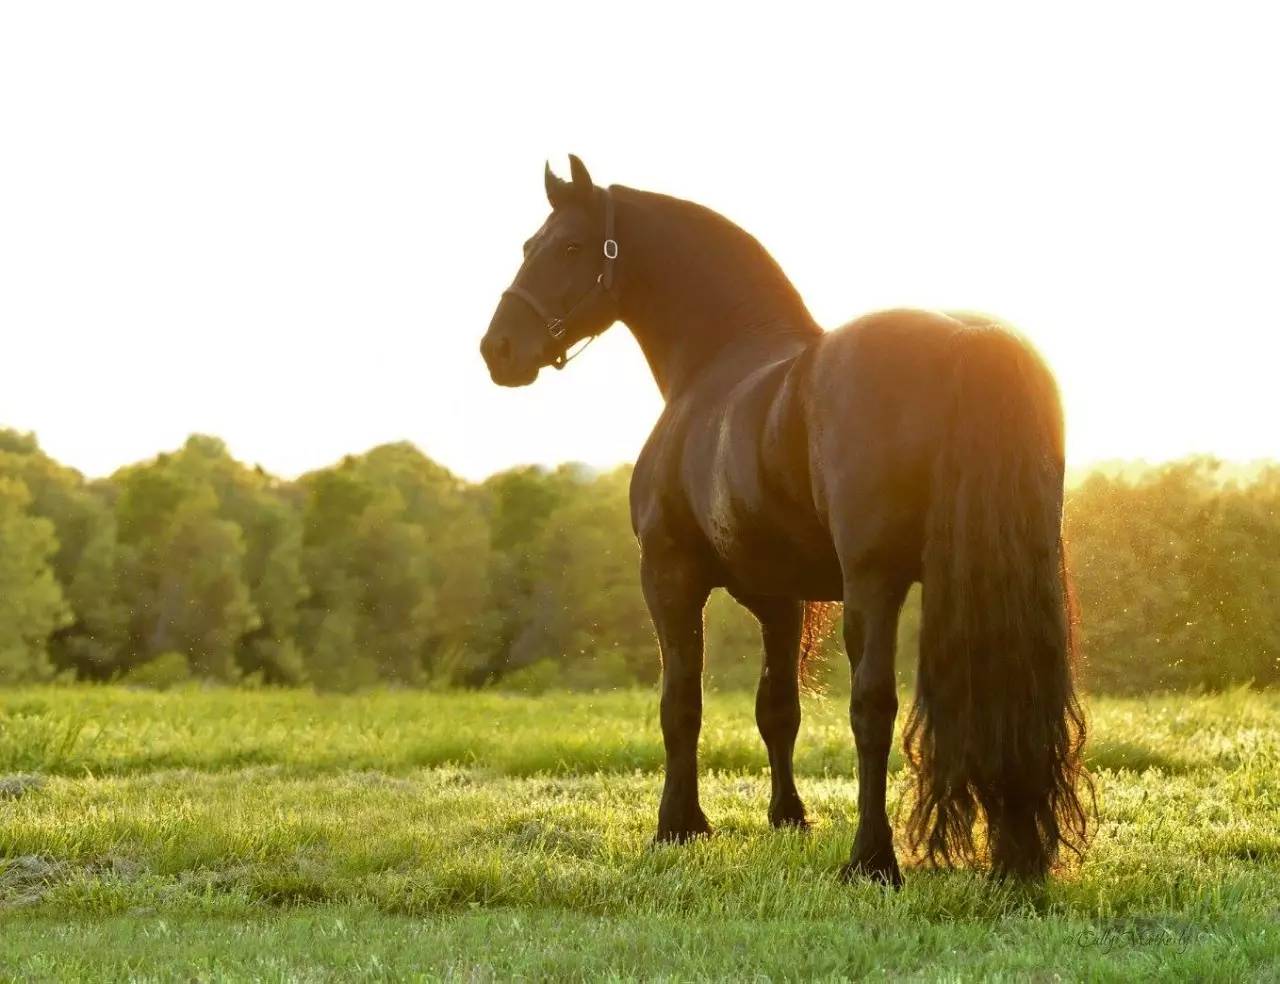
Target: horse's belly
(768,546)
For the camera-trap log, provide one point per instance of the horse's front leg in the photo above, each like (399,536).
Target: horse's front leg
(676,595)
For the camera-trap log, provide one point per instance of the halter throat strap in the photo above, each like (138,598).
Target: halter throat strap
(558,326)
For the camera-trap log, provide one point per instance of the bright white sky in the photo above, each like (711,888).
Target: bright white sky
(287,224)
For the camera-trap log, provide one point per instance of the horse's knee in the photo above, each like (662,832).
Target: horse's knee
(680,712)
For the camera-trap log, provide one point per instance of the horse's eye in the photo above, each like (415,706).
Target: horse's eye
(572,249)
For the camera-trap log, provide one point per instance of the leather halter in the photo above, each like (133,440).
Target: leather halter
(557,327)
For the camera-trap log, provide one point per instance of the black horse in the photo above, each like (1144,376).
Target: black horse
(795,467)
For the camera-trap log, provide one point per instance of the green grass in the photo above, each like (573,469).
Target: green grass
(278,836)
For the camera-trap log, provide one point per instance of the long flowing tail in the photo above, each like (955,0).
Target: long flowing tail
(996,728)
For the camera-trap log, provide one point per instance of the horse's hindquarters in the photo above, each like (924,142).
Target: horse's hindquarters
(876,416)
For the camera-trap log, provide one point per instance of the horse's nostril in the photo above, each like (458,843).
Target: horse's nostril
(495,350)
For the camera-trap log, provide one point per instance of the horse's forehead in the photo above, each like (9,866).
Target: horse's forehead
(559,222)
(540,235)
(567,218)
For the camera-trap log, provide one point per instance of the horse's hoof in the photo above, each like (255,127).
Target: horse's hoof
(787,812)
(683,829)
(799,823)
(680,823)
(881,872)
(685,836)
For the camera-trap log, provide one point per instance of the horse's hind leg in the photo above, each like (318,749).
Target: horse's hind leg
(778,701)
(870,629)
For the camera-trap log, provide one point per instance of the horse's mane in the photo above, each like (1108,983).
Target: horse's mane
(720,258)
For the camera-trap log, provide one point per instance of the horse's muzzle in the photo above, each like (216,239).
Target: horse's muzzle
(504,367)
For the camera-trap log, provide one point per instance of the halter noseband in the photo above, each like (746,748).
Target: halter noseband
(555,326)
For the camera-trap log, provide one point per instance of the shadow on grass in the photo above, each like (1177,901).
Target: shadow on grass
(1102,753)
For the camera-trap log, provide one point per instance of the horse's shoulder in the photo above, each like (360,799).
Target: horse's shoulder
(655,475)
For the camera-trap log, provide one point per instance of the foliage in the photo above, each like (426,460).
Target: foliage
(1178,577)
(31,602)
(387,568)
(164,671)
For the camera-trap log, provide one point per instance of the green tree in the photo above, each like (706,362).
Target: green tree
(517,505)
(270,527)
(86,561)
(182,568)
(585,610)
(447,517)
(31,603)
(371,603)
(1176,574)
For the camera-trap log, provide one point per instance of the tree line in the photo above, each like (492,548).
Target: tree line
(388,569)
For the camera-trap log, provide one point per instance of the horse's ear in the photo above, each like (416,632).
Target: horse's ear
(582,186)
(558,191)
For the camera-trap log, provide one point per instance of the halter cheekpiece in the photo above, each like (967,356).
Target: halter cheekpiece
(557,327)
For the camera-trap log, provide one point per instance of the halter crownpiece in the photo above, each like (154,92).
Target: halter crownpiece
(556,326)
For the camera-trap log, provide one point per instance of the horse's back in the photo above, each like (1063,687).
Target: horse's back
(801,471)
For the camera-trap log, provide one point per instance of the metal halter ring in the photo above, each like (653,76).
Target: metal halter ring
(611,249)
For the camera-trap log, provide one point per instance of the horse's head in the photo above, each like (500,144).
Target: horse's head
(563,291)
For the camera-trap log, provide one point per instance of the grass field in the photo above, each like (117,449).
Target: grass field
(258,835)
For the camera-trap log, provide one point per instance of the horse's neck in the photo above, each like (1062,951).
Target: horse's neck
(688,298)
